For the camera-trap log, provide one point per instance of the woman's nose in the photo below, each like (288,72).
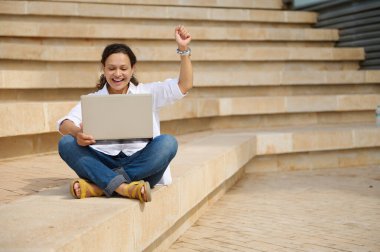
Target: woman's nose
(118,72)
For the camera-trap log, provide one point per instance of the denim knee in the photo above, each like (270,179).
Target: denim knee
(169,144)
(66,144)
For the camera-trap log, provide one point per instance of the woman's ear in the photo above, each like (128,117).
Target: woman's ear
(133,69)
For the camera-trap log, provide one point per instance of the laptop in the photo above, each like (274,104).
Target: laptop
(118,117)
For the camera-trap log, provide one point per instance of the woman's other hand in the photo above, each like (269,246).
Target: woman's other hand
(83,139)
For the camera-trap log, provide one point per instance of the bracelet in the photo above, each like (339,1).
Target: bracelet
(185,52)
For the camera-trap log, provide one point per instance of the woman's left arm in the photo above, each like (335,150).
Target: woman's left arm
(183,38)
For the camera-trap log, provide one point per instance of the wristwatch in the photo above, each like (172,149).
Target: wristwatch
(185,52)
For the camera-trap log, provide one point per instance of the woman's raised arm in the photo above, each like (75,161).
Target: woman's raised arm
(183,38)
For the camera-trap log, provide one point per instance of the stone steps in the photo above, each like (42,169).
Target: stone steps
(69,30)
(44,115)
(101,10)
(51,79)
(200,172)
(272,93)
(165,53)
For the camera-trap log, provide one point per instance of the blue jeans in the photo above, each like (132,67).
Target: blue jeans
(109,172)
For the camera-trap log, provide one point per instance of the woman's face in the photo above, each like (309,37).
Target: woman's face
(118,72)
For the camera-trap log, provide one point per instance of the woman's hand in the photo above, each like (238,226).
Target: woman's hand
(182,37)
(83,139)
(68,127)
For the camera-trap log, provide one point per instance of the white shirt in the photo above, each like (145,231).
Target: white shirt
(164,93)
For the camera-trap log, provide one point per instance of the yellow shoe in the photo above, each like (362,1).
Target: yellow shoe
(84,188)
(133,191)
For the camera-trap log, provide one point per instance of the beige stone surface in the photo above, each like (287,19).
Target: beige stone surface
(25,51)
(311,103)
(324,210)
(274,142)
(55,111)
(266,83)
(186,108)
(252,105)
(323,140)
(264,4)
(27,145)
(156,12)
(156,216)
(30,118)
(346,53)
(13,7)
(46,114)
(315,160)
(366,137)
(142,31)
(372,76)
(355,77)
(19,79)
(349,102)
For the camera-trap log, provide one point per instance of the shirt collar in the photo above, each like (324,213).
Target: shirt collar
(131,90)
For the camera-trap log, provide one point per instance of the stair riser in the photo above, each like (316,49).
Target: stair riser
(258,4)
(71,94)
(24,145)
(146,52)
(151,23)
(315,160)
(44,115)
(178,127)
(154,71)
(60,31)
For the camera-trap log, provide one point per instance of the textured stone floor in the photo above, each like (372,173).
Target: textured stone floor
(322,210)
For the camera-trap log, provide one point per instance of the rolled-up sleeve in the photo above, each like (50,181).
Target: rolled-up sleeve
(75,115)
(166,92)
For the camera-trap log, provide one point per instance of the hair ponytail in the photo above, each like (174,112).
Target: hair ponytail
(102,81)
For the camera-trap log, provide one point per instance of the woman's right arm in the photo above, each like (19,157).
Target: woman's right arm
(68,127)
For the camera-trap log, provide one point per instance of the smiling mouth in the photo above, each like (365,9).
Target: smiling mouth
(118,80)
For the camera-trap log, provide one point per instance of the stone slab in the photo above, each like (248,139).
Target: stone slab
(257,4)
(47,218)
(67,53)
(141,31)
(157,12)
(20,79)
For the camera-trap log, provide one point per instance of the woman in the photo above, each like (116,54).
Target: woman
(128,169)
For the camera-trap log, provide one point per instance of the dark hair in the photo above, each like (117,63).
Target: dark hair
(117,48)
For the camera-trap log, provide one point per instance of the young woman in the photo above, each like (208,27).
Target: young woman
(128,169)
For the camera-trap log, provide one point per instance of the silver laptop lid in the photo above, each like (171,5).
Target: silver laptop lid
(117,117)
